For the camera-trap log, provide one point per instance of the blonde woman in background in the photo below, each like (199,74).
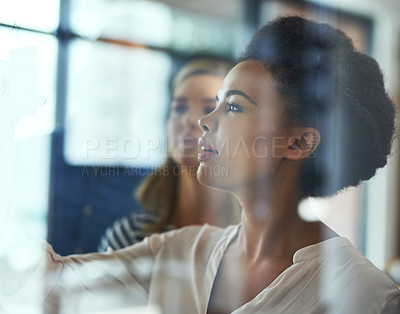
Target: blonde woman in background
(172,196)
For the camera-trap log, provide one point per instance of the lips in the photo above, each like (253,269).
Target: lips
(207,150)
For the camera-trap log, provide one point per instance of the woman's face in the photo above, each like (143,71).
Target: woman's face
(192,99)
(243,140)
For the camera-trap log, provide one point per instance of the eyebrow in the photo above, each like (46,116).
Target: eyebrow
(179,99)
(203,100)
(239,92)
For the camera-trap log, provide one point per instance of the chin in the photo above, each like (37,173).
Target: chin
(213,176)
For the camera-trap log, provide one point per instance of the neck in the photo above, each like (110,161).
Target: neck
(271,226)
(198,204)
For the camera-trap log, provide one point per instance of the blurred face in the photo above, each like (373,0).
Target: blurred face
(192,99)
(243,138)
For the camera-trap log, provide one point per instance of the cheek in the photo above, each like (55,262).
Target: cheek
(247,146)
(170,128)
(261,147)
(172,134)
(253,155)
(268,147)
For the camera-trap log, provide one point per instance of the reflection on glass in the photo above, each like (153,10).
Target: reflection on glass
(40,14)
(135,21)
(195,33)
(27,98)
(347,218)
(116,105)
(154,24)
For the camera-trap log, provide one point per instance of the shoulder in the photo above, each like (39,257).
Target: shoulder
(341,279)
(358,266)
(393,306)
(358,282)
(190,237)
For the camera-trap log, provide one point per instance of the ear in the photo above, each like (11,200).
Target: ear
(302,144)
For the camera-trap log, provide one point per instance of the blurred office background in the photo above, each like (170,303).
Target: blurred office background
(84,89)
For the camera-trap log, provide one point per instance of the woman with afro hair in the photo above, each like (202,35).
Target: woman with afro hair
(301,114)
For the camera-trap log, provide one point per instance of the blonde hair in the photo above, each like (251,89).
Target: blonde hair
(159,191)
(218,68)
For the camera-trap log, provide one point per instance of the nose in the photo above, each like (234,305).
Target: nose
(207,123)
(192,118)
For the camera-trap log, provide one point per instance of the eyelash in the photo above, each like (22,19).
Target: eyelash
(232,107)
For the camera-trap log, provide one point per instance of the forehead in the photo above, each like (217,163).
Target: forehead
(252,78)
(199,84)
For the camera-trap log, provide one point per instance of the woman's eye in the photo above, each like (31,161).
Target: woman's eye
(179,108)
(233,107)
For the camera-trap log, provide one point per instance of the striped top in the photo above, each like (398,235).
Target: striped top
(129,230)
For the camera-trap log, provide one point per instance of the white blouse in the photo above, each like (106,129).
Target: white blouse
(174,272)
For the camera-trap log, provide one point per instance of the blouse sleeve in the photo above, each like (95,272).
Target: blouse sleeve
(98,281)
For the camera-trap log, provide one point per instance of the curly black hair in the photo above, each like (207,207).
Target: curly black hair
(330,86)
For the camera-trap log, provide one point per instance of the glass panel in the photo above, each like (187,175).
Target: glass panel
(352,27)
(196,34)
(154,24)
(134,21)
(116,105)
(27,97)
(40,14)
(343,211)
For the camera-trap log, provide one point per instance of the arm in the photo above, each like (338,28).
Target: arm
(99,281)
